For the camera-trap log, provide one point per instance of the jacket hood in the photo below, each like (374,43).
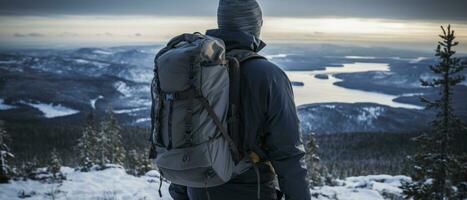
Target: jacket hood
(238,40)
(240,15)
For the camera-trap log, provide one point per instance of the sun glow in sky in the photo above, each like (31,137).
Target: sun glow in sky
(72,31)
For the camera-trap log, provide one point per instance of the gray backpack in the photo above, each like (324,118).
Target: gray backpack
(195,116)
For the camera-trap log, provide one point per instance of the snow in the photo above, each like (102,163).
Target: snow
(122,87)
(93,101)
(412,94)
(51,110)
(329,106)
(115,183)
(8,61)
(143,120)
(370,113)
(360,57)
(130,110)
(417,60)
(112,183)
(81,61)
(372,187)
(4,106)
(270,57)
(102,52)
(100,65)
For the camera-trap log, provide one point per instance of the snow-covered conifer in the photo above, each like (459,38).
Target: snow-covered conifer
(5,156)
(318,175)
(439,172)
(133,162)
(109,146)
(54,167)
(102,146)
(146,163)
(116,149)
(138,163)
(87,146)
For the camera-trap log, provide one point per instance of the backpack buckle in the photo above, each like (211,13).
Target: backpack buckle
(169,97)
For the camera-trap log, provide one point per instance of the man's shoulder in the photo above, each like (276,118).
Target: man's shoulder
(261,69)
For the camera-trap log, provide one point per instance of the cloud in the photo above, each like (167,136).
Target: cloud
(28,35)
(138,34)
(388,9)
(106,34)
(68,34)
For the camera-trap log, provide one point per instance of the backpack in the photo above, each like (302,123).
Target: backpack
(195,92)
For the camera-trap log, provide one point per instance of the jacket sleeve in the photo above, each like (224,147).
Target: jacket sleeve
(283,141)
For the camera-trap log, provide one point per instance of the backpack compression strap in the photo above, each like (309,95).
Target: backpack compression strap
(225,134)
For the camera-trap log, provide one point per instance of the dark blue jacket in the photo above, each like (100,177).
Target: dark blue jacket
(267,106)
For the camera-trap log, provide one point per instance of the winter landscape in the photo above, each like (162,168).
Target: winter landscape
(379,86)
(350,91)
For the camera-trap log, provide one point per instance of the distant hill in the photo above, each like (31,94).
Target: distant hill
(361,117)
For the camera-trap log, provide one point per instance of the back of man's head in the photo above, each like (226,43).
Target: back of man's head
(240,15)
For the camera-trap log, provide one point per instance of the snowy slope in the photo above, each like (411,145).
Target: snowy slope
(360,117)
(111,183)
(372,187)
(114,183)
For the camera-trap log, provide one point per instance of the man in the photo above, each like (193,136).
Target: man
(268,114)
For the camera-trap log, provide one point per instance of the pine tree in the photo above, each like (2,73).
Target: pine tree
(439,173)
(109,147)
(318,175)
(138,163)
(87,146)
(133,162)
(29,169)
(116,149)
(146,163)
(102,146)
(54,167)
(5,155)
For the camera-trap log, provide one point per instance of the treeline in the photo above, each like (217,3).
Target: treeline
(355,154)
(36,141)
(344,154)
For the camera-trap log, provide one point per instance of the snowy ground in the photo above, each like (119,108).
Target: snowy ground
(51,110)
(108,184)
(4,106)
(114,183)
(373,187)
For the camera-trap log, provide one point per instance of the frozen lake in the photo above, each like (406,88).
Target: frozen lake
(322,90)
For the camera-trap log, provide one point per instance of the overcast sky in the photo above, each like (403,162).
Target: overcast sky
(89,22)
(392,9)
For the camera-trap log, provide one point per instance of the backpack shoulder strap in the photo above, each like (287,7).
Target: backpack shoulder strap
(243,55)
(235,58)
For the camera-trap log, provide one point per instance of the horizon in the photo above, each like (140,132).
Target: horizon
(413,25)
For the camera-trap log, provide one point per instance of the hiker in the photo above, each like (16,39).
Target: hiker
(269,131)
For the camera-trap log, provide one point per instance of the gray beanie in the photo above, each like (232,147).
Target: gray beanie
(240,15)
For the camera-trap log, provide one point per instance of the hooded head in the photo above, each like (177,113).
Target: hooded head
(240,15)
